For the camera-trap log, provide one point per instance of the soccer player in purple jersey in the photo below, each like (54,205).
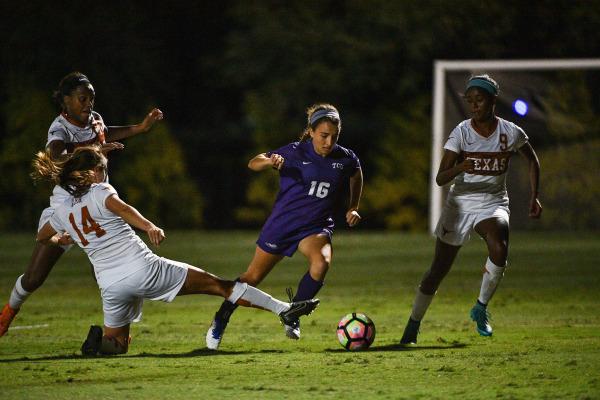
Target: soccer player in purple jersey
(313,172)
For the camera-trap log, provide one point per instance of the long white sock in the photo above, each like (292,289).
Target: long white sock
(18,295)
(421,304)
(491,278)
(257,297)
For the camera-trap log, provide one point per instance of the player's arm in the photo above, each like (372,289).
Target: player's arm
(262,162)
(56,149)
(356,185)
(535,208)
(449,168)
(134,218)
(121,132)
(48,235)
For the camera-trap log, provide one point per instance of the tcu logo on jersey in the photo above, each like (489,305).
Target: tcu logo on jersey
(337,165)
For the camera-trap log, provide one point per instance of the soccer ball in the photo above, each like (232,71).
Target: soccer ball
(356,331)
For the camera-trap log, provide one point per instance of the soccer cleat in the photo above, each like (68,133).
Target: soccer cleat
(216,331)
(92,343)
(410,332)
(292,330)
(7,316)
(481,316)
(297,309)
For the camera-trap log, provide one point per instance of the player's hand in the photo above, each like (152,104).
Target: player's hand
(65,239)
(467,165)
(98,126)
(535,208)
(108,147)
(151,118)
(352,217)
(156,235)
(277,161)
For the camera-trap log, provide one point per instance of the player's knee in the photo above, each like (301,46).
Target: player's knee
(250,278)
(498,252)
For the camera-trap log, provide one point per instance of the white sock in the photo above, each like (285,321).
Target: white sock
(491,278)
(421,304)
(238,290)
(258,298)
(18,295)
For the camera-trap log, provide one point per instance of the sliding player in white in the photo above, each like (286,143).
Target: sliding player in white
(476,157)
(76,125)
(127,271)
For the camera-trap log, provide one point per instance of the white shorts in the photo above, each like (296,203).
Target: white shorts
(45,217)
(122,301)
(454,226)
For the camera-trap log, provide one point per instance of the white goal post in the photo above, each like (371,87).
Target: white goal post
(437,131)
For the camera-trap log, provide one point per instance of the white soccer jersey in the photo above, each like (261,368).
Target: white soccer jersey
(112,246)
(73,136)
(487,184)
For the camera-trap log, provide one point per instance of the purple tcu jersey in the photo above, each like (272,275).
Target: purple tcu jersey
(309,185)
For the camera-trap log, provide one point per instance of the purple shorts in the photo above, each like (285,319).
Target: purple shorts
(288,245)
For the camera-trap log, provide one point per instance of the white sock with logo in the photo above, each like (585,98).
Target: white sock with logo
(257,297)
(492,276)
(421,304)
(18,295)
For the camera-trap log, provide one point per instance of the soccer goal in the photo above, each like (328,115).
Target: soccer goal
(525,86)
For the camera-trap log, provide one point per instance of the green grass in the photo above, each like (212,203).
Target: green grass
(546,319)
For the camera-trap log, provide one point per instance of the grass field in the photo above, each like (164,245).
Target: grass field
(546,319)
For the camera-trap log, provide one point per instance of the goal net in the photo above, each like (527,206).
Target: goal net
(556,103)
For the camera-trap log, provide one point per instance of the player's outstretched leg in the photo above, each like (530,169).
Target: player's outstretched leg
(481,316)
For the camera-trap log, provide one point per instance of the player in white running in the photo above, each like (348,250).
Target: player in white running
(76,125)
(476,156)
(127,271)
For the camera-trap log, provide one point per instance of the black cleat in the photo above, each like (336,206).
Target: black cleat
(410,332)
(92,343)
(297,309)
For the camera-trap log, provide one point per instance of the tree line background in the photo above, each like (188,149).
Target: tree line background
(234,79)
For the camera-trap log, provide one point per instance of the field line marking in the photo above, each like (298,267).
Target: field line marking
(28,327)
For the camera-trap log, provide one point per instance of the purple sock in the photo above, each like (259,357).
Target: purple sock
(307,288)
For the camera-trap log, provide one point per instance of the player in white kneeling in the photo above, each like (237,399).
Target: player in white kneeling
(476,157)
(127,271)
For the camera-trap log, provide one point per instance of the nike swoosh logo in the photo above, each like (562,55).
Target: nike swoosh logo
(306,162)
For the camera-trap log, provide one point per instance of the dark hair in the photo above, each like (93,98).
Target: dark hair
(75,173)
(311,126)
(67,85)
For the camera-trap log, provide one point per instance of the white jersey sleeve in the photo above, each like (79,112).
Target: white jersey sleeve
(520,138)
(113,247)
(56,223)
(455,141)
(100,195)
